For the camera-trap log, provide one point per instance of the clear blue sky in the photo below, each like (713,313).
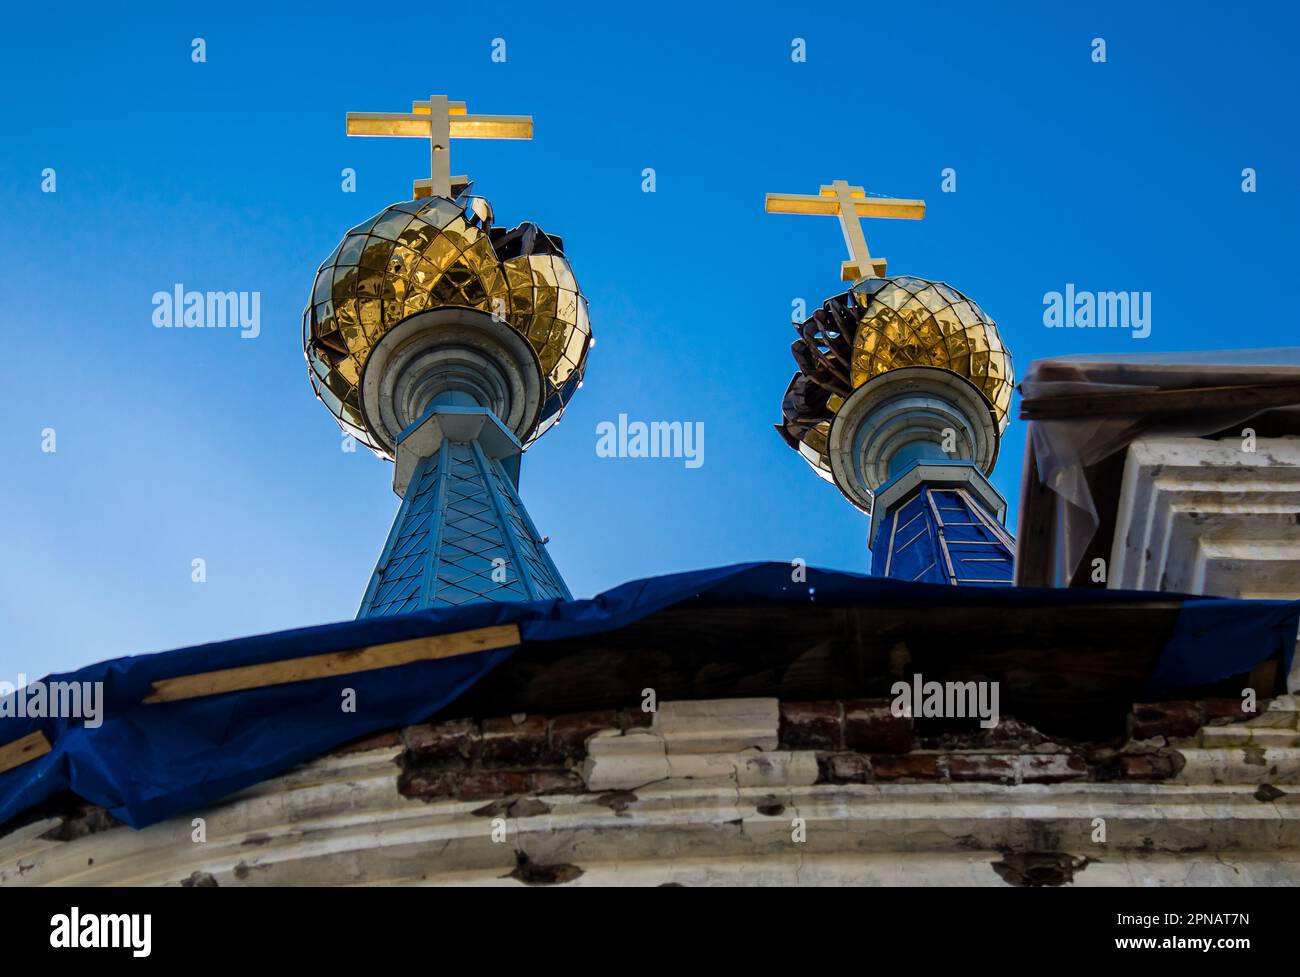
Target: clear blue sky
(177,444)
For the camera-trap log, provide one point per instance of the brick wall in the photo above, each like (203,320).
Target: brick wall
(856,741)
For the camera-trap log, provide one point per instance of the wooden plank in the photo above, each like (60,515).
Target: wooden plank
(333,663)
(1037,524)
(1178,400)
(20,751)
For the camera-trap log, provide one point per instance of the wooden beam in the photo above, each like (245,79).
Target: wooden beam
(20,751)
(1037,526)
(333,663)
(1108,403)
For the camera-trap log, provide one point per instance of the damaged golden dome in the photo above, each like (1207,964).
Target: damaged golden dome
(431,254)
(881,325)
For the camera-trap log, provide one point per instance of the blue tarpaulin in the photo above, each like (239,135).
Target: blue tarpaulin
(146,762)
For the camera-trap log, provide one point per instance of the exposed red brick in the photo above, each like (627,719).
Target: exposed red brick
(378,741)
(1051,768)
(1224,709)
(811,726)
(870,727)
(556,782)
(913,766)
(1165,719)
(514,741)
(1143,767)
(478,786)
(569,733)
(848,768)
(441,743)
(998,768)
(426,785)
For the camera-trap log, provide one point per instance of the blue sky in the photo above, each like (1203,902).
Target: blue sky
(177,444)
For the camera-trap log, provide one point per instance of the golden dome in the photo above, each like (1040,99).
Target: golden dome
(434,253)
(885,324)
(913,322)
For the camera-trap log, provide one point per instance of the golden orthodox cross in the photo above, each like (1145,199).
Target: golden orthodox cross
(849,204)
(440,121)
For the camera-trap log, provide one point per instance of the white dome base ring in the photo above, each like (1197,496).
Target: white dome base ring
(900,413)
(436,355)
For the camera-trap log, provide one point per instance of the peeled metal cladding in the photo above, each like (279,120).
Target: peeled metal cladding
(433,254)
(881,325)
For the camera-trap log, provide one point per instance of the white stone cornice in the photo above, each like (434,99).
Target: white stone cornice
(706,796)
(1208,516)
(1187,501)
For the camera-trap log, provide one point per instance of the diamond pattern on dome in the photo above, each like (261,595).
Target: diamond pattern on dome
(431,253)
(884,324)
(460,515)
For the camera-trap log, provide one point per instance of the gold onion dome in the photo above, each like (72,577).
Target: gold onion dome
(435,253)
(880,325)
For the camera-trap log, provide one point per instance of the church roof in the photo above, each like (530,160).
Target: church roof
(184,728)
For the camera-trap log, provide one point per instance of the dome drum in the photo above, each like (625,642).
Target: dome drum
(450,356)
(911,414)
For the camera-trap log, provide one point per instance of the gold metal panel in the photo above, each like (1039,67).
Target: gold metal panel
(955,337)
(396,264)
(349,252)
(391,225)
(891,323)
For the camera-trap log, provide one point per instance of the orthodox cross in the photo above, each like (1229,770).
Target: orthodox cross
(440,121)
(849,204)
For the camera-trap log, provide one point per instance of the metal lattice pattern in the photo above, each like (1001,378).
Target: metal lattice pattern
(461,535)
(943,536)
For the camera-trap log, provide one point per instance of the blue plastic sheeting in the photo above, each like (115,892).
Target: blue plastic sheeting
(147,762)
